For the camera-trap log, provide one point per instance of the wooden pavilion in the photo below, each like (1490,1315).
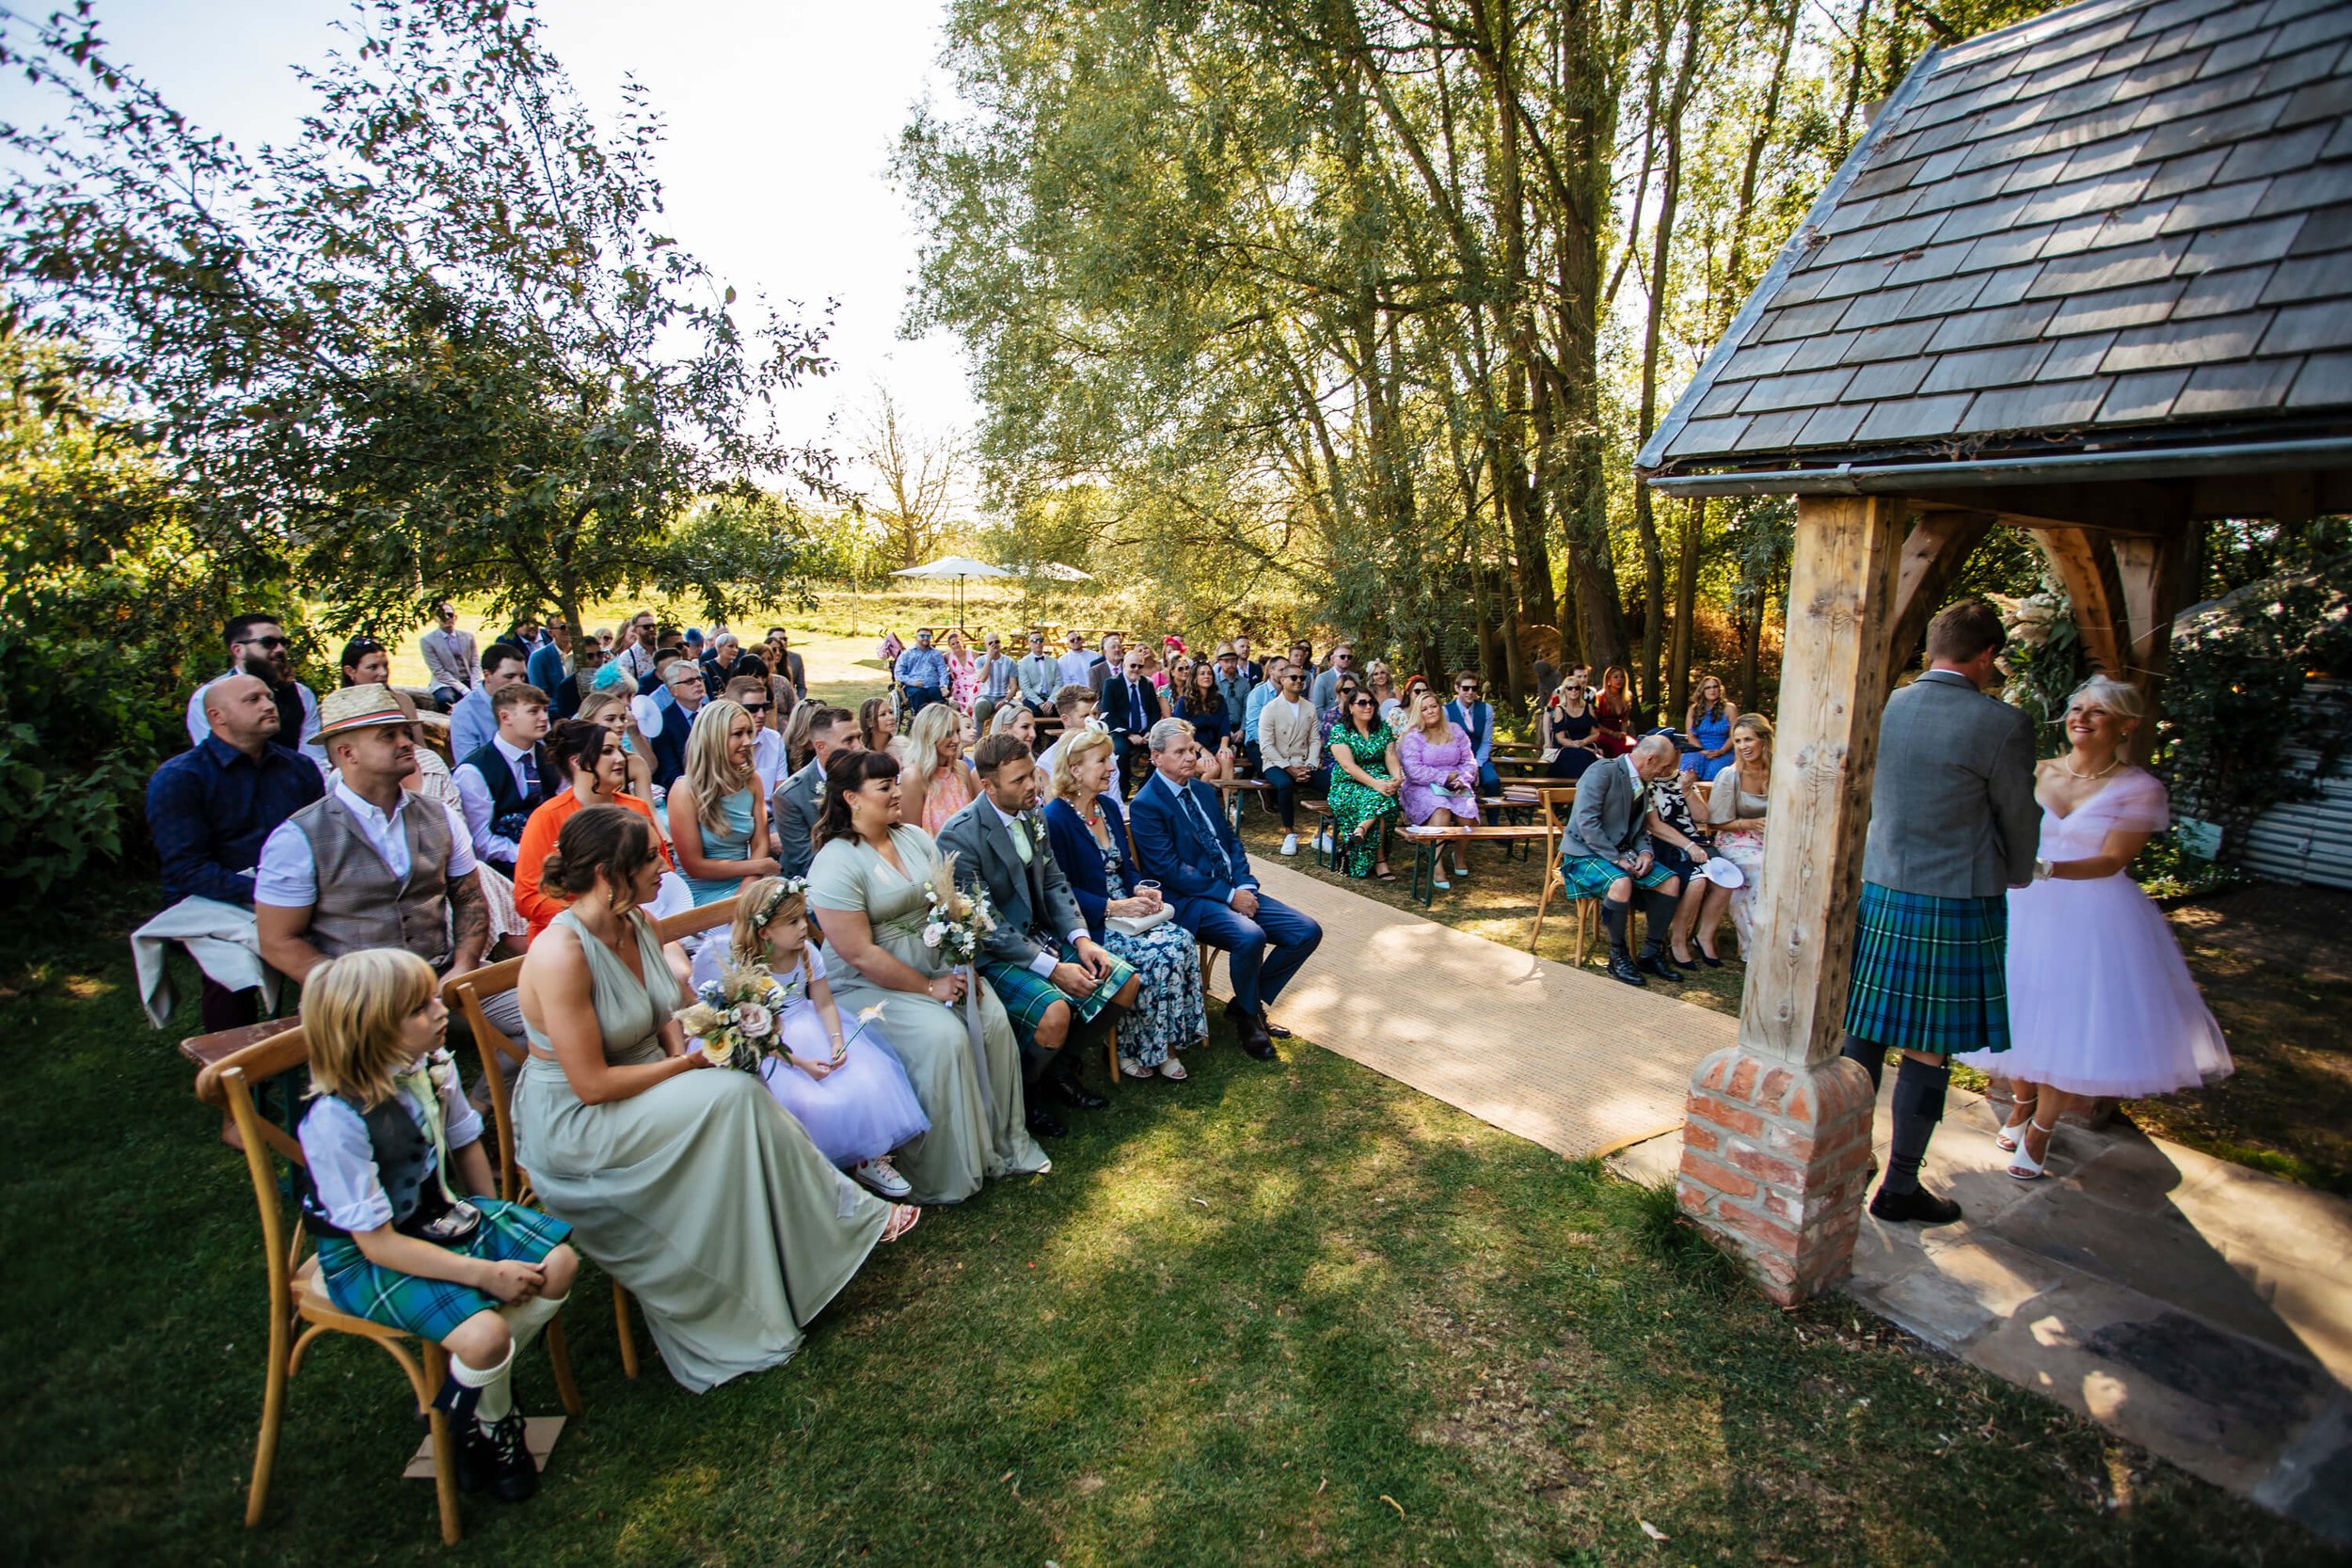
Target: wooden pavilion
(2090,276)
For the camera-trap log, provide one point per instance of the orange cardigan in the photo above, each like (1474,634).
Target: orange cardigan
(538,842)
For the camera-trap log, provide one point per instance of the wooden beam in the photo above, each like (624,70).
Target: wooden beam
(1833,690)
(2117,506)
(2150,574)
(2085,562)
(1934,552)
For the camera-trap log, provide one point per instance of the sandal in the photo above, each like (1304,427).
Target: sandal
(2023,1166)
(2013,1132)
(1383,872)
(902,1218)
(1133,1070)
(1173,1071)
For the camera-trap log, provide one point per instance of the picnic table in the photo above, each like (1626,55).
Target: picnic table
(1233,791)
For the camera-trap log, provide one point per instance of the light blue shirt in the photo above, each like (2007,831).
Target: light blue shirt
(1481,740)
(471,724)
(921,666)
(1265,692)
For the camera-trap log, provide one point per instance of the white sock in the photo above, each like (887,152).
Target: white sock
(495,1386)
(525,1322)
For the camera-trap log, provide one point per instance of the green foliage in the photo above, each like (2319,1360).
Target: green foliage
(436,345)
(2045,660)
(109,613)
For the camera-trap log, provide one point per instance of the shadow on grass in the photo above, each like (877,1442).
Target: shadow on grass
(1284,1312)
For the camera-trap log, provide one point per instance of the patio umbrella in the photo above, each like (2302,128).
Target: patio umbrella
(958,567)
(1059,573)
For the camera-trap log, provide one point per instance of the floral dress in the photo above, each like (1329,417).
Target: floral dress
(1352,803)
(1171,1014)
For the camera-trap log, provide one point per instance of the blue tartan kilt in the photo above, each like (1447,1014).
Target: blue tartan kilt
(1930,973)
(1026,994)
(432,1308)
(1589,876)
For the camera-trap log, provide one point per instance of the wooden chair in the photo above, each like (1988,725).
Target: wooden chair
(465,994)
(1551,801)
(299,1308)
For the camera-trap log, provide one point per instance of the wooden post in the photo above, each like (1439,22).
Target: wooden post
(1934,552)
(1778,1127)
(2085,562)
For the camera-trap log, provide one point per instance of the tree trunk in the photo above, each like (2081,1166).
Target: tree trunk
(1686,610)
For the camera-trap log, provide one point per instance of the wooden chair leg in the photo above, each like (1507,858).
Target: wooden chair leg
(1110,1050)
(1587,920)
(1208,967)
(444,1448)
(1550,881)
(560,1363)
(621,1328)
(273,1421)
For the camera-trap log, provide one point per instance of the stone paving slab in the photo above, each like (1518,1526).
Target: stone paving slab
(2194,1307)
(1563,1057)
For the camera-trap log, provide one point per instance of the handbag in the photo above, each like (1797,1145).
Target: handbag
(1136,924)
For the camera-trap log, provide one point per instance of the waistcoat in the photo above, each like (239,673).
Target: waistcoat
(361,903)
(404,1166)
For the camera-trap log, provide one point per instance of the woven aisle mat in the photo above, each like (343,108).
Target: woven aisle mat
(1564,1057)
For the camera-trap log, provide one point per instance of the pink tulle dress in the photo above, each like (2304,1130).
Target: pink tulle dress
(2100,1001)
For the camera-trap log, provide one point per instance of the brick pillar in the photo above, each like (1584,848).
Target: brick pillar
(1777,1138)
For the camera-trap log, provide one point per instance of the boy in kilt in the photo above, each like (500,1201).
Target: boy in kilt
(397,1244)
(1056,983)
(1953,825)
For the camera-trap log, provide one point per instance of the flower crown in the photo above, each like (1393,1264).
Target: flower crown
(774,900)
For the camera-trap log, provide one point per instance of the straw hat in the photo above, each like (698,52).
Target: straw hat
(362,707)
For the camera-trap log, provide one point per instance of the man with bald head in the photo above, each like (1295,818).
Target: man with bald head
(210,810)
(1605,854)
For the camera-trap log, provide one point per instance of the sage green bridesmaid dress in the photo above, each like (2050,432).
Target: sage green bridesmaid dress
(973,1136)
(700,1195)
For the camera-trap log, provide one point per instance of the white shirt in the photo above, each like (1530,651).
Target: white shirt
(637,661)
(200,725)
(473,793)
(1045,963)
(1074,668)
(288,877)
(767,758)
(342,1160)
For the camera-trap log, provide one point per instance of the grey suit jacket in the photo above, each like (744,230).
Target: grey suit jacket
(1610,815)
(1031,901)
(792,813)
(1952,813)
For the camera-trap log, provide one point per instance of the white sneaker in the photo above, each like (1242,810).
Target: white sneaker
(1290,844)
(879,1176)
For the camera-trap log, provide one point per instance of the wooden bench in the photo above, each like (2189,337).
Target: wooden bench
(1429,843)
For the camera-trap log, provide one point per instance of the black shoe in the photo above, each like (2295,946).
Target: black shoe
(1623,968)
(1661,966)
(1273,1028)
(1257,1043)
(1044,1124)
(1076,1094)
(502,1460)
(1706,957)
(1917,1205)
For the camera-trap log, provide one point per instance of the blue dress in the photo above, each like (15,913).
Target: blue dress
(1712,730)
(735,844)
(862,1109)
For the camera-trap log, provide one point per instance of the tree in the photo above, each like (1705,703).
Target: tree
(436,344)
(922,475)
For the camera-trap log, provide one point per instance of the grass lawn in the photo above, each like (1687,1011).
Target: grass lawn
(1283,1313)
(2278,983)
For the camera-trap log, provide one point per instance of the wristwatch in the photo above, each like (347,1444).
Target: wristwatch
(2041,871)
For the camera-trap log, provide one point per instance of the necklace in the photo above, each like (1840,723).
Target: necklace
(2068,763)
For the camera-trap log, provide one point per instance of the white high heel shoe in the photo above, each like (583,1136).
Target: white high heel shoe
(2023,1166)
(2007,1138)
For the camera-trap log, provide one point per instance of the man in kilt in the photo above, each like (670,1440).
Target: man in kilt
(1605,853)
(1059,985)
(1953,825)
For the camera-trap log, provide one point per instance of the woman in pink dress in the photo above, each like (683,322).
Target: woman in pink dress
(2100,1001)
(1440,775)
(937,783)
(964,674)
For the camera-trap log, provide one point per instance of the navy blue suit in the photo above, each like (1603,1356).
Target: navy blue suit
(1198,863)
(1120,717)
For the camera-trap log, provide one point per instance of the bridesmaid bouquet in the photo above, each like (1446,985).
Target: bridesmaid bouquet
(736,1016)
(959,920)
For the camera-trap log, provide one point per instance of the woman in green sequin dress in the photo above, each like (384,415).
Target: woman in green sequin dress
(1365,779)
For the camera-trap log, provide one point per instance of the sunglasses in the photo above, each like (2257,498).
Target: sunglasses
(758,707)
(276,642)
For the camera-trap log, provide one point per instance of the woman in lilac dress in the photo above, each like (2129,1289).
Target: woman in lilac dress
(836,1076)
(1440,775)
(2100,1001)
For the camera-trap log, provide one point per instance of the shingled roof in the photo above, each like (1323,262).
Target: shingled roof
(2122,225)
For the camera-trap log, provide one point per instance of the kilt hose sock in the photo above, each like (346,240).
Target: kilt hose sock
(1871,1055)
(1919,1089)
(1657,913)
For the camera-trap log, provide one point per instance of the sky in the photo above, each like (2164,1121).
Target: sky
(780,114)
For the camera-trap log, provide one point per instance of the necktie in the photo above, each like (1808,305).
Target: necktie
(1020,845)
(530,774)
(1200,817)
(1134,705)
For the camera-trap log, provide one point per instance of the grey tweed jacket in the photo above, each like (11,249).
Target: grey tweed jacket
(793,811)
(1610,815)
(1952,813)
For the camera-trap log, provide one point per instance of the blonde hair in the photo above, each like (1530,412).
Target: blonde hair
(597,702)
(744,943)
(2126,702)
(712,777)
(354,1009)
(1006,716)
(926,740)
(1760,727)
(1075,748)
(1437,705)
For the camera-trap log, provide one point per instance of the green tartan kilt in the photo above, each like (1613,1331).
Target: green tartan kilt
(1930,973)
(432,1308)
(1026,994)
(1589,876)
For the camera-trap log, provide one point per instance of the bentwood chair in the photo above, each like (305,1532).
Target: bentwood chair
(465,994)
(300,1310)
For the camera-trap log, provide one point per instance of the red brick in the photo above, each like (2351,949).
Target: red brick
(1698,1137)
(1692,1200)
(1770,1167)
(1775,1089)
(1725,1115)
(1743,1078)
(1714,1078)
(1765,1230)
(1716,1175)
(1800,1106)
